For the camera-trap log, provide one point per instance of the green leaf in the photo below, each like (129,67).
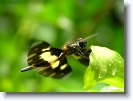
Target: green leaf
(105,66)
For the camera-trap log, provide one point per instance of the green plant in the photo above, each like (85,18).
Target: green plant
(105,66)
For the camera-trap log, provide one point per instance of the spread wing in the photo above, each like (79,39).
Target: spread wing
(57,69)
(42,55)
(46,58)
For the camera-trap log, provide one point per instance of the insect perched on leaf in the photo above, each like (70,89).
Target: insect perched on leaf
(52,62)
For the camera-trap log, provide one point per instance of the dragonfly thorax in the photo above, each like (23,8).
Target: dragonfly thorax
(75,47)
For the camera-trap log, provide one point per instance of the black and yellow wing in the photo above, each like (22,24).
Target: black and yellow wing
(57,69)
(42,55)
(46,58)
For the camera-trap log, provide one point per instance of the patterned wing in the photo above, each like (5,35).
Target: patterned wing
(57,69)
(42,55)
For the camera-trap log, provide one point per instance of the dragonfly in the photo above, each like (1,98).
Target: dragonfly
(52,62)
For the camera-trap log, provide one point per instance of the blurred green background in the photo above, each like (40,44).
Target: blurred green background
(57,22)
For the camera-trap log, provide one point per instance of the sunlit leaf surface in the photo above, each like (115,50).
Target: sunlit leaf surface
(106,66)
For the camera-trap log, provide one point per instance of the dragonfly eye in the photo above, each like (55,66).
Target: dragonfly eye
(82,43)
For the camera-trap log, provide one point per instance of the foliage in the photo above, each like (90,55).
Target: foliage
(23,23)
(105,66)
